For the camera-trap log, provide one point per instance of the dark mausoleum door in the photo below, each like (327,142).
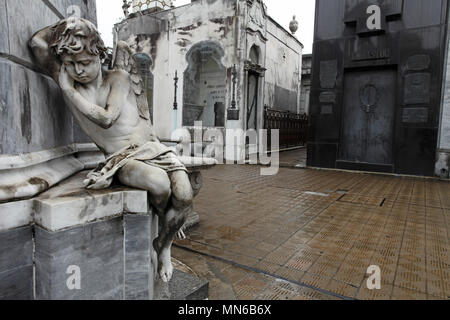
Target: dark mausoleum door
(368,121)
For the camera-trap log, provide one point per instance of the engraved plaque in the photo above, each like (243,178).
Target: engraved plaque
(326,109)
(233,114)
(415,115)
(327,97)
(418,62)
(417,88)
(328,74)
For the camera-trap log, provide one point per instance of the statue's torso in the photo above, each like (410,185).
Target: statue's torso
(129,128)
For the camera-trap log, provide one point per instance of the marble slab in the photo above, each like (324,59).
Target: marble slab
(96,249)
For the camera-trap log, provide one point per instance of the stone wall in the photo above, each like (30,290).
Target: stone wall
(283,64)
(33,116)
(443,157)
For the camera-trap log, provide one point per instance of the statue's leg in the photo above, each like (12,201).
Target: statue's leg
(137,174)
(181,204)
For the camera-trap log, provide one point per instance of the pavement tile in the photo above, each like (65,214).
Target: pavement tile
(367,294)
(279,225)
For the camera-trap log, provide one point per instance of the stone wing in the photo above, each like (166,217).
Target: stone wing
(124,60)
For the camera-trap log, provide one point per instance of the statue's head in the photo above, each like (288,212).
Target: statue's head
(78,44)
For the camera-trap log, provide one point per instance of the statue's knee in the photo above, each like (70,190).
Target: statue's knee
(162,187)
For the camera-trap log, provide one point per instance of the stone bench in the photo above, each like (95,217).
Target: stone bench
(103,237)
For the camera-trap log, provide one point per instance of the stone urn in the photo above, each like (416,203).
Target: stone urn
(293,26)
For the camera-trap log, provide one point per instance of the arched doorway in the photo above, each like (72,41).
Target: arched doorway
(205,85)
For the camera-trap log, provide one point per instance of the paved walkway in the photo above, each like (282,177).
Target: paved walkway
(308,234)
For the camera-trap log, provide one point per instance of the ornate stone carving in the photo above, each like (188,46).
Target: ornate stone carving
(369,97)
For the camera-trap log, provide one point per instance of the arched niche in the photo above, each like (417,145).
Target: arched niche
(204,90)
(145,63)
(254,55)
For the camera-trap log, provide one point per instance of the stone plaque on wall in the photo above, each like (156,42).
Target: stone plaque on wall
(415,115)
(417,88)
(326,109)
(328,74)
(418,62)
(327,97)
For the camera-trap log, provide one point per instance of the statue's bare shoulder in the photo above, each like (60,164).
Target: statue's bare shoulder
(118,80)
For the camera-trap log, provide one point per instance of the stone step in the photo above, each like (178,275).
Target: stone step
(185,286)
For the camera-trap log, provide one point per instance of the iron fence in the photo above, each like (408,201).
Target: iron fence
(293,127)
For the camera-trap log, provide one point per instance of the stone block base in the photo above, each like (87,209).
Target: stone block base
(16,264)
(106,260)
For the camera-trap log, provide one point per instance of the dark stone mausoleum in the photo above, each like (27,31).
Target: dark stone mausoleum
(376,95)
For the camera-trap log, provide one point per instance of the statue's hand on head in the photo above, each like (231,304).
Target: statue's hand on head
(65,80)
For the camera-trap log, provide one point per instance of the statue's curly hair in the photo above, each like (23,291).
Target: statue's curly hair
(75,35)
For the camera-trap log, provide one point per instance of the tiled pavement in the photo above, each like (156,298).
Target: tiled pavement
(308,234)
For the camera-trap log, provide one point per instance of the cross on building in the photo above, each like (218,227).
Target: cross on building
(364,14)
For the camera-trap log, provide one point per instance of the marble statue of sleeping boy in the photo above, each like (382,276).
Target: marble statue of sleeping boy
(112,110)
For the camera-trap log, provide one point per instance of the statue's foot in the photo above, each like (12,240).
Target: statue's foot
(165,267)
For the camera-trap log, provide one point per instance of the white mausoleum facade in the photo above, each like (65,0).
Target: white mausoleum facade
(208,44)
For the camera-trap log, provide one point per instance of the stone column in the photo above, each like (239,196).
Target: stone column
(443,156)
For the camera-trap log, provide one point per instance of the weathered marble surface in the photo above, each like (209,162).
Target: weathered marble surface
(16,264)
(26,175)
(15,214)
(138,275)
(4,43)
(97,249)
(33,116)
(81,206)
(88,8)
(17,284)
(15,248)
(24,17)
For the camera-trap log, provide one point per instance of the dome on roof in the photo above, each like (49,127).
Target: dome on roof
(141,5)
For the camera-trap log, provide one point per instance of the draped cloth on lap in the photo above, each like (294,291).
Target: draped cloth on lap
(152,153)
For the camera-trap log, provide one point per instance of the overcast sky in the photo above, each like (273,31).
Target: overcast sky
(109,12)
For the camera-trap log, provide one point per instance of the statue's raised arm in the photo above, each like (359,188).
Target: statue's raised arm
(44,55)
(49,43)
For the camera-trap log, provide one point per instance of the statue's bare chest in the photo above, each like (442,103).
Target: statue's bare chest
(96,96)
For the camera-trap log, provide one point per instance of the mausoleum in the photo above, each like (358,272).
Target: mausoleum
(232,60)
(377,95)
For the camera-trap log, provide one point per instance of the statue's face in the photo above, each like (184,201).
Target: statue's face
(83,67)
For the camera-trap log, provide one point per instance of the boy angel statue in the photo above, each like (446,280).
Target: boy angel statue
(112,110)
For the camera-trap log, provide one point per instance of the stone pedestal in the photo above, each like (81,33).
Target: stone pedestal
(70,243)
(112,256)
(102,239)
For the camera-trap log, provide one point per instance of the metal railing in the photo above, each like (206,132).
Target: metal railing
(293,127)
